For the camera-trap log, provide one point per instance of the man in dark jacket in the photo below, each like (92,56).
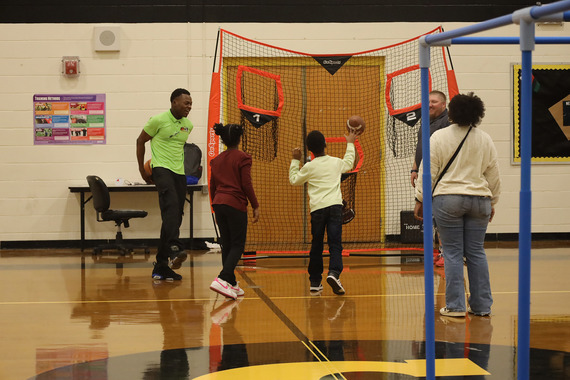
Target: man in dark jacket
(438,119)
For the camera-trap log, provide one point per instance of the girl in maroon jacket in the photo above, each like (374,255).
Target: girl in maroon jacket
(230,190)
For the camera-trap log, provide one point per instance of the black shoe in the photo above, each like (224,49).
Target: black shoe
(334,282)
(177,257)
(316,286)
(163,272)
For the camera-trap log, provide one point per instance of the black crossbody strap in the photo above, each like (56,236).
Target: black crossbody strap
(451,160)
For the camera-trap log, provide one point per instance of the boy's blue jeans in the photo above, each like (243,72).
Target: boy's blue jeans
(329,219)
(462,222)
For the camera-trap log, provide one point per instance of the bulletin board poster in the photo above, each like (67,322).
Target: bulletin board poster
(550,134)
(69,119)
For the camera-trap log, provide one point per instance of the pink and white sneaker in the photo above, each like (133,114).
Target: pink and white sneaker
(239,291)
(222,287)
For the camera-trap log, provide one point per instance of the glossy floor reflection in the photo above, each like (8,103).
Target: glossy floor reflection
(67,316)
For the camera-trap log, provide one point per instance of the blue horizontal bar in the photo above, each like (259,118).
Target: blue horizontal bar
(535,12)
(507,40)
(485,25)
(548,9)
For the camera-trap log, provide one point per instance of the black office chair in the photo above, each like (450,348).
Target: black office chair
(101,203)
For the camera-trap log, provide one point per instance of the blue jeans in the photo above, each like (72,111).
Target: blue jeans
(329,219)
(462,222)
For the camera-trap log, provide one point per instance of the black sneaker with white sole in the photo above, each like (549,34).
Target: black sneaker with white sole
(316,287)
(335,284)
(163,272)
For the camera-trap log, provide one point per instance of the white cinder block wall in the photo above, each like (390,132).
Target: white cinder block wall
(35,203)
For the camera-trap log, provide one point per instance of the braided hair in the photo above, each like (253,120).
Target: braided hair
(230,133)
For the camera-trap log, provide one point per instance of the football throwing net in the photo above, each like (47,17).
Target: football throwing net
(279,96)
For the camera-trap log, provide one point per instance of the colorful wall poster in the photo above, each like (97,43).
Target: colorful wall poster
(69,119)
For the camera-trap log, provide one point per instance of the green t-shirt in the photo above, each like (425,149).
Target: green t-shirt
(168,137)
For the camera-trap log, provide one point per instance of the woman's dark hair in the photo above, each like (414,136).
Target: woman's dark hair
(316,142)
(230,133)
(466,109)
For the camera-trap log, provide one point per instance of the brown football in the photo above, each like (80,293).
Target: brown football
(356,124)
(148,168)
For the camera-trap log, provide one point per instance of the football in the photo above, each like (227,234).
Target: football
(148,168)
(356,124)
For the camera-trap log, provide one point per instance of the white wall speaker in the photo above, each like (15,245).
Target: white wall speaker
(107,38)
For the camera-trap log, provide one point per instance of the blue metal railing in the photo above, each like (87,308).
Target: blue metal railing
(526,18)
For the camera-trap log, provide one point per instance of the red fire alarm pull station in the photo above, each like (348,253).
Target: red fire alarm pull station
(70,66)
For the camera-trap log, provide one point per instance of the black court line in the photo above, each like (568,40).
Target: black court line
(281,315)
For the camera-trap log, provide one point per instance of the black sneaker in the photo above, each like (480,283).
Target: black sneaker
(163,272)
(177,257)
(334,282)
(316,286)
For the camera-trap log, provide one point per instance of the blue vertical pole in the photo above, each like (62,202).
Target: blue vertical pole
(427,206)
(523,346)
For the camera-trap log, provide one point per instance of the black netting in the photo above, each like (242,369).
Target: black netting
(322,93)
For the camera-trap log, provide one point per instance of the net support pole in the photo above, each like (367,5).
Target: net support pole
(507,40)
(424,58)
(527,30)
(548,12)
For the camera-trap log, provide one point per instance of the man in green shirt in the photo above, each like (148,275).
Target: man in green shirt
(167,133)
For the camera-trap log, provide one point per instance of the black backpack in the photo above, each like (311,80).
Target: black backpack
(192,163)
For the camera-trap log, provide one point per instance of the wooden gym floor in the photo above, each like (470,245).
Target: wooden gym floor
(72,316)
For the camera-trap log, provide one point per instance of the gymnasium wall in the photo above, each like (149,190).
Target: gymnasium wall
(155,58)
